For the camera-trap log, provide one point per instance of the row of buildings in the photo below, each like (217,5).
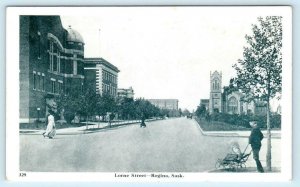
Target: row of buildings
(52,62)
(231,101)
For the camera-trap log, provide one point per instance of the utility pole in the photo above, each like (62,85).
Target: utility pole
(99,44)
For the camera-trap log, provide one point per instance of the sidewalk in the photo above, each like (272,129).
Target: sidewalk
(85,129)
(275,134)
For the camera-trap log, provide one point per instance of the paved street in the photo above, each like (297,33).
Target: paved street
(172,145)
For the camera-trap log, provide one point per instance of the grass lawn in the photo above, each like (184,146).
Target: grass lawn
(218,126)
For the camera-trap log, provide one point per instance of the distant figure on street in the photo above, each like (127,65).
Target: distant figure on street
(50,131)
(143,124)
(255,139)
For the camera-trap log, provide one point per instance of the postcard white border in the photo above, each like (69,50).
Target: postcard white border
(12,109)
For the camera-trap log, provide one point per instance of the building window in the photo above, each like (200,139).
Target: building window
(58,61)
(53,90)
(39,40)
(34,80)
(216,102)
(216,85)
(54,57)
(232,105)
(43,82)
(60,87)
(50,56)
(38,82)
(75,67)
(54,63)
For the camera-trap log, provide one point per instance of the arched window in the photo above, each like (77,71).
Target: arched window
(54,57)
(55,48)
(216,84)
(232,105)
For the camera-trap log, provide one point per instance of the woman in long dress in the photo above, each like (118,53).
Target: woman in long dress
(50,131)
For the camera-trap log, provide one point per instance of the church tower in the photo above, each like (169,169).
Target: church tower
(215,98)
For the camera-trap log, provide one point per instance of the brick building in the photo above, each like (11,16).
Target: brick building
(101,76)
(51,62)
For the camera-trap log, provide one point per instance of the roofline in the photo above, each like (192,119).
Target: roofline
(165,99)
(100,61)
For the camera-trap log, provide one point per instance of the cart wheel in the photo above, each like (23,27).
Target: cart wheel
(234,167)
(218,164)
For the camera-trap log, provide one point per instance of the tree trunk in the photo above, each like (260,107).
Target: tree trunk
(268,157)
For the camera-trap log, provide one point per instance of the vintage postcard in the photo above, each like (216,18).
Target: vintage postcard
(146,94)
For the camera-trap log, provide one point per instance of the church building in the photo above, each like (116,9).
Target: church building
(230,101)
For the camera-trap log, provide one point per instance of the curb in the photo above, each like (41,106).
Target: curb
(230,133)
(80,131)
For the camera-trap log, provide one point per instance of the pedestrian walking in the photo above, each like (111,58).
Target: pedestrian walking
(50,130)
(255,139)
(143,124)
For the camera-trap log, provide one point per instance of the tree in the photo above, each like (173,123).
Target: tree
(201,111)
(145,108)
(126,108)
(180,112)
(186,112)
(259,72)
(88,102)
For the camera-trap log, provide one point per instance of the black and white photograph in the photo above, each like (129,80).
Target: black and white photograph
(157,93)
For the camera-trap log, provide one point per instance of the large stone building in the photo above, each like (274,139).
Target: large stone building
(101,76)
(230,101)
(170,104)
(126,93)
(51,62)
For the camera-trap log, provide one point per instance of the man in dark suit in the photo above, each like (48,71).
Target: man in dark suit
(255,139)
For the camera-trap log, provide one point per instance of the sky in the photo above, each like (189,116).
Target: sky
(167,52)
